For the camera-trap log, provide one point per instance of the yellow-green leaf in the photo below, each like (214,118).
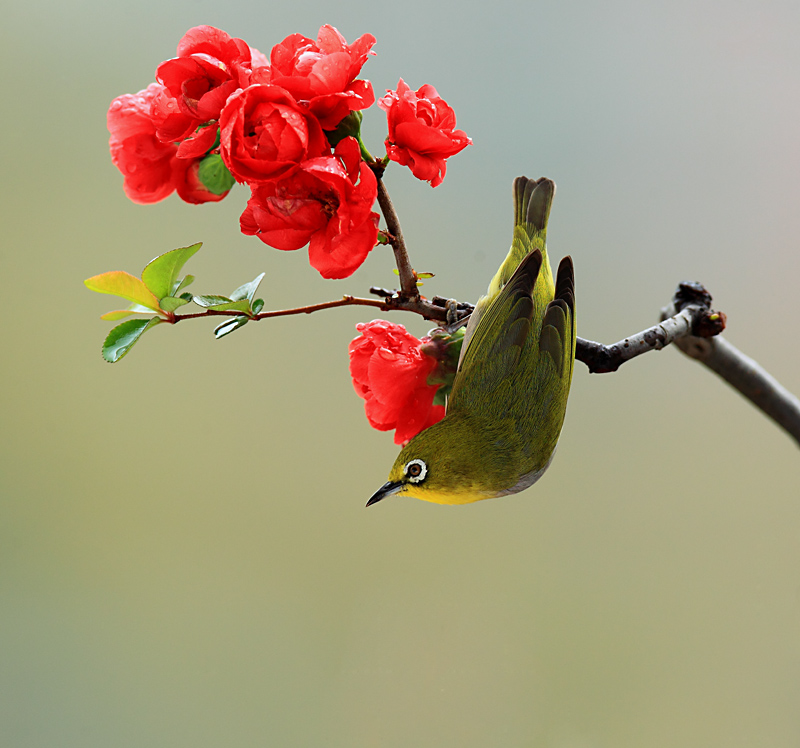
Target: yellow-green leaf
(122,313)
(161,273)
(120,283)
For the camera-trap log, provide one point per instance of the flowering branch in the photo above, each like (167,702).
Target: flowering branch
(314,183)
(435,309)
(689,322)
(344,301)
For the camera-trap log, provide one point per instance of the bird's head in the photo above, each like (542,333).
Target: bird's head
(447,463)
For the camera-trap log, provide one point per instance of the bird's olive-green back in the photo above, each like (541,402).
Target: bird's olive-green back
(519,352)
(509,396)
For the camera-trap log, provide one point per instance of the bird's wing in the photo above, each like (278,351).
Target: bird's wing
(497,339)
(558,326)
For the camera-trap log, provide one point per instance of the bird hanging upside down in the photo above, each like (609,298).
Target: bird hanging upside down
(509,396)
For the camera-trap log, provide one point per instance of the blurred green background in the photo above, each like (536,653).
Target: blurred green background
(185,557)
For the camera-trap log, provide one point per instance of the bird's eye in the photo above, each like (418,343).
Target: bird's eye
(415,471)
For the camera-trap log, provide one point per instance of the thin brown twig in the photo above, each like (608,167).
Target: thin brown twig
(344,301)
(408,280)
(429,309)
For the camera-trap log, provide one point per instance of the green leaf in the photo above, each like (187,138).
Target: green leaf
(171,303)
(220,331)
(258,305)
(181,284)
(222,303)
(120,283)
(123,337)
(214,175)
(210,300)
(440,398)
(350,126)
(161,273)
(122,313)
(248,290)
(243,305)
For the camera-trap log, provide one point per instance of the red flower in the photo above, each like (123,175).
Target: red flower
(144,160)
(151,168)
(421,131)
(265,134)
(327,204)
(209,67)
(322,73)
(391,373)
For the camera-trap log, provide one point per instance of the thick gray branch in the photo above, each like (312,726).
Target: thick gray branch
(606,358)
(691,324)
(747,376)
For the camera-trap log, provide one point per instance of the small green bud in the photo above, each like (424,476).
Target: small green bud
(214,175)
(350,126)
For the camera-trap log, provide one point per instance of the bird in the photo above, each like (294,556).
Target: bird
(509,396)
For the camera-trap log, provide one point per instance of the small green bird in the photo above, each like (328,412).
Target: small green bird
(509,395)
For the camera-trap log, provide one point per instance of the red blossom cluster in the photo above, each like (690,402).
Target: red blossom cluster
(390,372)
(288,127)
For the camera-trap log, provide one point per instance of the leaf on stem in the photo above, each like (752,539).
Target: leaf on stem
(181,284)
(171,303)
(216,303)
(248,290)
(120,283)
(230,326)
(123,337)
(122,313)
(161,273)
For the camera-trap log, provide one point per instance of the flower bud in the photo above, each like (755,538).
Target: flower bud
(445,348)
(350,126)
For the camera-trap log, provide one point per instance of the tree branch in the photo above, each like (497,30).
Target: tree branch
(435,309)
(692,325)
(745,375)
(408,279)
(691,315)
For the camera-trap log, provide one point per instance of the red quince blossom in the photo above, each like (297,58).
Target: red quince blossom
(322,74)
(422,132)
(327,204)
(265,134)
(390,372)
(210,66)
(151,168)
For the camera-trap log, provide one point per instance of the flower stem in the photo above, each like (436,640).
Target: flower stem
(435,309)
(408,281)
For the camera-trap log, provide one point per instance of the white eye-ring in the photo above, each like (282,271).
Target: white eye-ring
(415,471)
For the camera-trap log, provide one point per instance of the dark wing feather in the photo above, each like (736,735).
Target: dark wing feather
(558,326)
(502,330)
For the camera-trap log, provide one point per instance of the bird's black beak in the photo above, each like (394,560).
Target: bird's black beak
(387,489)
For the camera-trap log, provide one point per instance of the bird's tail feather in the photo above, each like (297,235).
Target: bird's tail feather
(532,201)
